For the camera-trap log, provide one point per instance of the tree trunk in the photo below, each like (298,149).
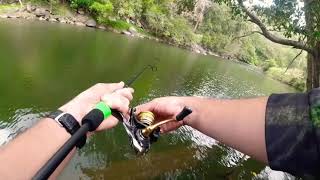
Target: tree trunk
(309,83)
(196,26)
(21,5)
(313,64)
(316,70)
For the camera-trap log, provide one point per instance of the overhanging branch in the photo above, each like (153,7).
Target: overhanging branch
(246,35)
(255,19)
(296,57)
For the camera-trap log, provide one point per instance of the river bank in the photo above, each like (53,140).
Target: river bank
(79,17)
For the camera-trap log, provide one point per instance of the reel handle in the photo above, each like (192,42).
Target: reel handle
(184,113)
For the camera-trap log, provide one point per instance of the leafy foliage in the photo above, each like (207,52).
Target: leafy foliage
(85,4)
(174,28)
(218,31)
(128,9)
(100,10)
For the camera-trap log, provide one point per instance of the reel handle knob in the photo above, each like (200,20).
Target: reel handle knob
(184,113)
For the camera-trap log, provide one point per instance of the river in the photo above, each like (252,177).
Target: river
(43,65)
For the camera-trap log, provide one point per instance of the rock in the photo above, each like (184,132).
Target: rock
(126,33)
(139,24)
(31,16)
(29,8)
(213,54)
(133,30)
(91,23)
(81,11)
(23,9)
(53,20)
(41,18)
(62,20)
(79,24)
(58,18)
(102,27)
(13,16)
(40,12)
(3,16)
(141,36)
(198,49)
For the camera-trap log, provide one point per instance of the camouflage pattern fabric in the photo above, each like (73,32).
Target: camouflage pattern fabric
(293,133)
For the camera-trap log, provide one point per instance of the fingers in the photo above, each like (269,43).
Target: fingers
(126,92)
(103,88)
(108,123)
(117,101)
(163,108)
(150,106)
(170,126)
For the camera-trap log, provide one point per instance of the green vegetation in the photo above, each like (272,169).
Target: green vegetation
(297,20)
(294,77)
(5,7)
(188,23)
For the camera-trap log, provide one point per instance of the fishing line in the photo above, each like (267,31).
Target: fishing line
(153,68)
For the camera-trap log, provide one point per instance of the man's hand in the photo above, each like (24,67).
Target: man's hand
(167,108)
(113,94)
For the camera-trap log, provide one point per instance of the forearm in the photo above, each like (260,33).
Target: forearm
(27,153)
(31,150)
(237,123)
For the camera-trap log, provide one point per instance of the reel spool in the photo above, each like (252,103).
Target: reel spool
(146,118)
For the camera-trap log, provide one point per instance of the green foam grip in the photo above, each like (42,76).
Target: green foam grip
(105,109)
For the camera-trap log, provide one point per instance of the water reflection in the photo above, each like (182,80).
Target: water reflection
(21,120)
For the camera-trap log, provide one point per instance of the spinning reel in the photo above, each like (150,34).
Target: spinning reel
(143,131)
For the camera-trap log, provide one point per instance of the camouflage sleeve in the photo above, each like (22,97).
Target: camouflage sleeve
(293,133)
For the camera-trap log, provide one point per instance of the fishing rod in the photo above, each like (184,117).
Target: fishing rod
(90,122)
(132,80)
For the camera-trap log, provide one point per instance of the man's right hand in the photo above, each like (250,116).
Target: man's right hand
(168,108)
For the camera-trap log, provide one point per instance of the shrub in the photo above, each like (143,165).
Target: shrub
(293,77)
(101,10)
(266,65)
(116,24)
(85,4)
(174,28)
(128,9)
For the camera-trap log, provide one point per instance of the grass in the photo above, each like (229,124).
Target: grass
(4,8)
(293,77)
(117,24)
(62,10)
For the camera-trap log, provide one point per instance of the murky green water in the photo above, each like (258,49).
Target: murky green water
(43,65)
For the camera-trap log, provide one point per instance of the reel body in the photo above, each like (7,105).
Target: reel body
(134,126)
(143,131)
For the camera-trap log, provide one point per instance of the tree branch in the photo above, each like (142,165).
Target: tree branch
(246,35)
(255,19)
(21,5)
(291,62)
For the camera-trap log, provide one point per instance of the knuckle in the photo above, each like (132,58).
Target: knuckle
(98,85)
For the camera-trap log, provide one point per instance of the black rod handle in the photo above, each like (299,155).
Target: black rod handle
(90,122)
(184,113)
(58,157)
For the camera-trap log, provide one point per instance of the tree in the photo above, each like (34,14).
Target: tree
(286,17)
(199,9)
